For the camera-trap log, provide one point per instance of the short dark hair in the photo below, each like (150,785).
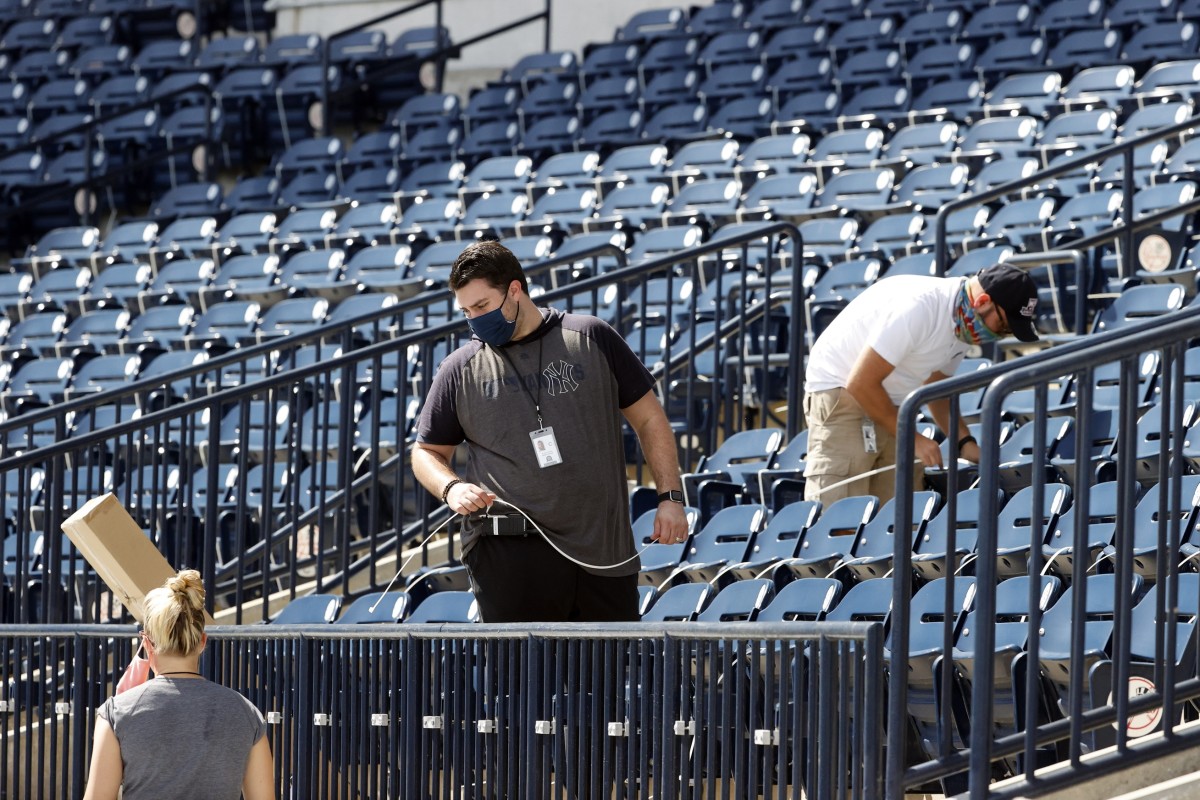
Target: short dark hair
(491,261)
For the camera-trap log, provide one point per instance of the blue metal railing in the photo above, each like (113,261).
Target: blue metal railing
(675,710)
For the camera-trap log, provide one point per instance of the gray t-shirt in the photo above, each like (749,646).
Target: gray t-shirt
(183,738)
(582,373)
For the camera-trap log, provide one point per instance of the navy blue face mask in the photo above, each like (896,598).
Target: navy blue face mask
(492,328)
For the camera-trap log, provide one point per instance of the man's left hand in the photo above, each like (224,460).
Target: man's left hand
(670,523)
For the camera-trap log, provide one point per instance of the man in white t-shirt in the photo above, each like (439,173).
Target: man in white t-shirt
(900,333)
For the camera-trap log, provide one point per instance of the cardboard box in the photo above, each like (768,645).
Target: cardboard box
(120,552)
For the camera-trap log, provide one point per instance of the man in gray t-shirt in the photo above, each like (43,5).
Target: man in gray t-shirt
(540,400)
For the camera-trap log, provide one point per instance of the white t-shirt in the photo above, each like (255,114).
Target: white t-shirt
(907,319)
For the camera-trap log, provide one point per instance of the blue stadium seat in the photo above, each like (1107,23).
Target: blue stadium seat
(830,542)
(825,239)
(608,93)
(537,69)
(1100,528)
(375,608)
(608,60)
(1062,17)
(931,556)
(447,607)
(80,32)
(724,540)
(1156,42)
(1057,632)
(653,24)
(311,609)
(668,87)
(799,74)
(94,332)
(25,35)
(157,59)
(778,540)
(545,100)
(1166,80)
(115,287)
(495,103)
(793,41)
(441,179)
(228,53)
(294,315)
(659,560)
(742,601)
(869,68)
(36,67)
(936,618)
(731,81)
(939,63)
(890,237)
(629,206)
(100,62)
(364,224)
(681,603)
(803,600)
(1086,48)
(1011,54)
(383,268)
(1013,611)
(37,383)
(861,34)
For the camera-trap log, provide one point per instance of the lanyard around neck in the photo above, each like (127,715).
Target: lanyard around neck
(537,399)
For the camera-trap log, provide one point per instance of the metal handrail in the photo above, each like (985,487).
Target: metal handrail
(452,50)
(246,354)
(1125,148)
(1095,349)
(91,126)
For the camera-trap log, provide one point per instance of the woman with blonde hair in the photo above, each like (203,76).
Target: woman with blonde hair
(178,735)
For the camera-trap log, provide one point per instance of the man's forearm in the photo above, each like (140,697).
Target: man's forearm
(658,443)
(650,423)
(431,470)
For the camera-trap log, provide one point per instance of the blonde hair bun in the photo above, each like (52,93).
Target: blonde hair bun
(188,587)
(174,614)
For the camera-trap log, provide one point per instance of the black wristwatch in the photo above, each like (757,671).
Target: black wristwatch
(675,496)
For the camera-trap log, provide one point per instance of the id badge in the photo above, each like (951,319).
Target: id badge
(545,447)
(868,429)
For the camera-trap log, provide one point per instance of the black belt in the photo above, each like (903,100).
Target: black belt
(505,525)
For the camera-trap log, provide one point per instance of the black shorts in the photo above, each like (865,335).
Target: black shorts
(524,579)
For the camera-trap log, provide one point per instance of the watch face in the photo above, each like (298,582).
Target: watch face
(1154,253)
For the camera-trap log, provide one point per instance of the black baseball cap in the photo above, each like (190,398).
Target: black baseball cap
(1014,291)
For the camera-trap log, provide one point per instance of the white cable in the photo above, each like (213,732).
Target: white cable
(564,555)
(1103,556)
(1055,555)
(400,571)
(836,567)
(860,476)
(287,139)
(1185,560)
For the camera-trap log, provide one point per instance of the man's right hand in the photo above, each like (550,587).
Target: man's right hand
(928,451)
(467,498)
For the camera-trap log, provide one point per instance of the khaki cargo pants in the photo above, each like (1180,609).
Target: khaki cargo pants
(836,450)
